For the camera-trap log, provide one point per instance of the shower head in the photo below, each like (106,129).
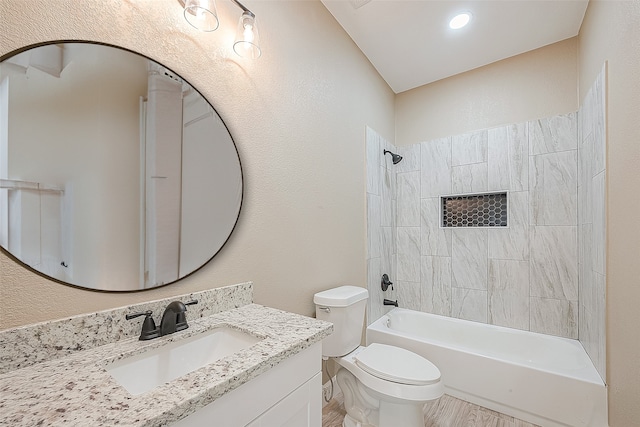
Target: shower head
(395,158)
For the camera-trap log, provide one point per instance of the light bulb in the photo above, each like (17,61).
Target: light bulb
(201,14)
(459,21)
(247,42)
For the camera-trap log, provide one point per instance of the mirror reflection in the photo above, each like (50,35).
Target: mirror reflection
(115,173)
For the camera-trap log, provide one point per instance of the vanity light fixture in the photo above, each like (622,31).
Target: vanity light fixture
(247,38)
(202,14)
(459,20)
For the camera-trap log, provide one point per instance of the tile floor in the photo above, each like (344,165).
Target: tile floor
(444,412)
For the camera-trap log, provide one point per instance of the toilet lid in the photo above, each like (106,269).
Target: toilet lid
(397,365)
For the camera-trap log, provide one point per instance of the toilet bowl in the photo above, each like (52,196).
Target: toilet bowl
(386,386)
(383,385)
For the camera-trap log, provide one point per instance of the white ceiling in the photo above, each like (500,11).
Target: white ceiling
(410,43)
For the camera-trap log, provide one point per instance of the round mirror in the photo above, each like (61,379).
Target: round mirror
(115,173)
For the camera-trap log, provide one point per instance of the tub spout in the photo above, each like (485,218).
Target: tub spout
(389,302)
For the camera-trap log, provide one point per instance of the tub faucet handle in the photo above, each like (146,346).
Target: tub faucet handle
(385,283)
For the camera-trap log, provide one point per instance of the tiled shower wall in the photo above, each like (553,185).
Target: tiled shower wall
(524,276)
(381,220)
(591,221)
(545,272)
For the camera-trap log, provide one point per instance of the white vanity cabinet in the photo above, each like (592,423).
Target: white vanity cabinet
(288,395)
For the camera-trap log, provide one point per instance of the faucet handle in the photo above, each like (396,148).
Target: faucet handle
(149,329)
(181,319)
(385,282)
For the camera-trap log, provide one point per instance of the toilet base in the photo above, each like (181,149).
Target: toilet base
(366,409)
(394,415)
(350,422)
(404,415)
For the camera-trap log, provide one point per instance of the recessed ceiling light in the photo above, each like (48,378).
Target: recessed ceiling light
(460,21)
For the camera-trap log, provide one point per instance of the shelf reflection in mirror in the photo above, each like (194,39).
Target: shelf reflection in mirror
(115,173)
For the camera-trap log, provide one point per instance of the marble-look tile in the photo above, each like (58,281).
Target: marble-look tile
(591,211)
(587,335)
(599,223)
(585,187)
(553,188)
(580,124)
(388,201)
(585,160)
(512,242)
(518,208)
(553,134)
(554,262)
(435,167)
(585,126)
(469,304)
(498,159)
(395,228)
(600,324)
(373,153)
(469,148)
(509,243)
(508,158)
(410,159)
(585,265)
(387,249)
(408,199)
(470,178)
(374,219)
(509,293)
(436,285)
(408,294)
(599,124)
(435,240)
(408,256)
(374,273)
(554,317)
(469,258)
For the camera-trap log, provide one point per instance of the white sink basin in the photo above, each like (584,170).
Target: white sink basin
(143,372)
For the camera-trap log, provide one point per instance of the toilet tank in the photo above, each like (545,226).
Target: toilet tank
(345,308)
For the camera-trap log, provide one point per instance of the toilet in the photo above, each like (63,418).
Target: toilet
(383,385)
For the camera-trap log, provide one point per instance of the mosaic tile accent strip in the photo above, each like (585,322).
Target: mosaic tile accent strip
(480,210)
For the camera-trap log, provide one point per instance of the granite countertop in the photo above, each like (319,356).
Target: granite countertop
(76,389)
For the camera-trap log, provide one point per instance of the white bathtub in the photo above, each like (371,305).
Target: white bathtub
(546,380)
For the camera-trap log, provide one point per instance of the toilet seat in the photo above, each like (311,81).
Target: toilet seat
(397,365)
(391,391)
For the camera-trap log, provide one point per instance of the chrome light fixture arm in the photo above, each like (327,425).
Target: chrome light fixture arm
(244,9)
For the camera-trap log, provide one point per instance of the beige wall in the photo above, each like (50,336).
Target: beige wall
(611,32)
(536,84)
(297,115)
